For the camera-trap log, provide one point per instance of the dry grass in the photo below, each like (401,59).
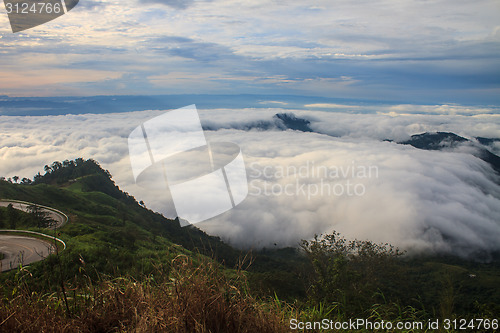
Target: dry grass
(190,298)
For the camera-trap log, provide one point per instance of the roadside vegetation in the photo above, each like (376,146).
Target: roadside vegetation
(35,217)
(129,269)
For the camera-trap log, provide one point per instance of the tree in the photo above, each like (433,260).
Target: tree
(56,165)
(25,181)
(15,179)
(41,216)
(37,177)
(47,169)
(12,216)
(349,272)
(2,219)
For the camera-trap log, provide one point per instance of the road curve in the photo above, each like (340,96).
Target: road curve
(22,249)
(56,215)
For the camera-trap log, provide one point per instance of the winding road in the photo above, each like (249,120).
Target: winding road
(23,249)
(59,217)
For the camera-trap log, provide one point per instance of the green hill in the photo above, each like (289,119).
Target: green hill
(108,228)
(124,265)
(115,234)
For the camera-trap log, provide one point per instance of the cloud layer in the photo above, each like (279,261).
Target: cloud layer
(305,183)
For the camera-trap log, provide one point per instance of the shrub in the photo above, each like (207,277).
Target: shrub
(190,298)
(349,274)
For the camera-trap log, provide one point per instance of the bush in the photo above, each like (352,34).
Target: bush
(182,298)
(350,274)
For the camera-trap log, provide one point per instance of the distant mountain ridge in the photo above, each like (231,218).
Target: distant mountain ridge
(487,141)
(280,121)
(447,140)
(425,141)
(290,121)
(435,141)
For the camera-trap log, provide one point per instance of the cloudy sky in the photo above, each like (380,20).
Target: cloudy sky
(413,51)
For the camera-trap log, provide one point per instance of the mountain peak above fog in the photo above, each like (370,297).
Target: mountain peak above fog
(290,121)
(447,140)
(435,141)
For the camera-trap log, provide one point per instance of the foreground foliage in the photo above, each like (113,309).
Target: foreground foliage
(184,297)
(350,274)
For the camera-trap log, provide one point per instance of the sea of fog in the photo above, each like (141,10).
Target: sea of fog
(349,174)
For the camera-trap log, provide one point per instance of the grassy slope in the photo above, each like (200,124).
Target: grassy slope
(110,233)
(113,234)
(107,233)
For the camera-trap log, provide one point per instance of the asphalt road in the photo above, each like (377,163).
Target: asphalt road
(59,218)
(17,249)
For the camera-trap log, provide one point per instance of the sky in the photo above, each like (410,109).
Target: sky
(415,51)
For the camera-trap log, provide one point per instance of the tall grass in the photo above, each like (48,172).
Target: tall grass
(184,297)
